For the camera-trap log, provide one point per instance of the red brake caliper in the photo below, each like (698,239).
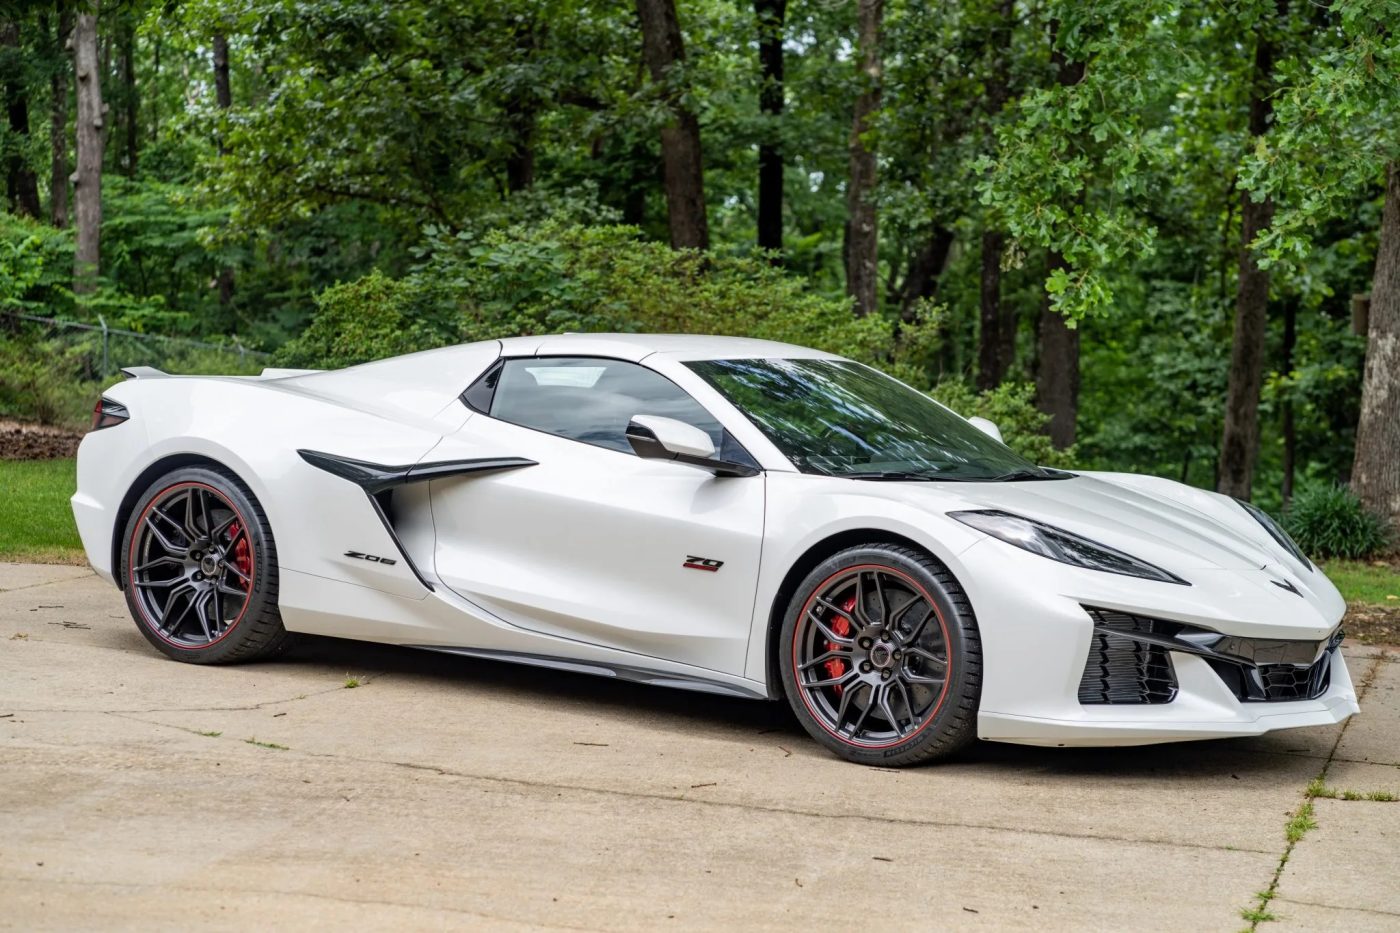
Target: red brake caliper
(242,555)
(841,625)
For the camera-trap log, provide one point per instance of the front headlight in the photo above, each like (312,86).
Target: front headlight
(1063,546)
(1276,532)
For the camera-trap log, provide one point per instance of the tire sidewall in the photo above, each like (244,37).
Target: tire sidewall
(264,562)
(964,659)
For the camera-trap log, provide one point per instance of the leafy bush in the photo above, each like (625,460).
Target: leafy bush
(1329,521)
(1011,406)
(368,319)
(44,382)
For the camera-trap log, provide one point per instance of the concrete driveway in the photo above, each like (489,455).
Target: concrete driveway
(136,792)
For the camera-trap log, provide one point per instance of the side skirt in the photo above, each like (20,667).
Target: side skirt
(626,672)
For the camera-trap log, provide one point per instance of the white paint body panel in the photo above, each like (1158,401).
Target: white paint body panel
(578,559)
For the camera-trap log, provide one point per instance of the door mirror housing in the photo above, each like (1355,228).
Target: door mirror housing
(654,437)
(988,428)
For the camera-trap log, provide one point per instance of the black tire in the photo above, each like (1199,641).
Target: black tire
(907,663)
(199,568)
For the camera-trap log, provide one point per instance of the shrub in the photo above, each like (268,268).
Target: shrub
(368,319)
(1012,407)
(1329,521)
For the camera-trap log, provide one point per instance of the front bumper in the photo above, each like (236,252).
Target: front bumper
(1037,637)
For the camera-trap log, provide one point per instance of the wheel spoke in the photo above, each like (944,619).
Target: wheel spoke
(831,681)
(918,629)
(172,627)
(884,699)
(831,654)
(858,610)
(869,705)
(846,697)
(927,655)
(190,528)
(201,610)
(157,562)
(169,545)
(908,701)
(898,615)
(830,633)
(880,595)
(236,572)
(222,527)
(231,590)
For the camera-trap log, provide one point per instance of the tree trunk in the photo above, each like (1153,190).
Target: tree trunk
(1375,477)
(131,101)
(1057,370)
(21,184)
(1290,427)
(991,365)
(681,160)
(58,121)
(1239,442)
(862,225)
(993,358)
(87,180)
(925,268)
(520,110)
(223,97)
(1057,376)
(771,14)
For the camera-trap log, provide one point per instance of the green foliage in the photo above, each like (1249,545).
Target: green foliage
(365,320)
(1011,406)
(1329,521)
(42,381)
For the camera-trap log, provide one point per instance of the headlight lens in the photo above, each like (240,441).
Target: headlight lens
(1276,532)
(1063,546)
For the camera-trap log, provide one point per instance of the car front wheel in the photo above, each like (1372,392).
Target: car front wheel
(880,657)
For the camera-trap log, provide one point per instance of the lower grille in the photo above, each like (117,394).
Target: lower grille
(1130,662)
(1122,669)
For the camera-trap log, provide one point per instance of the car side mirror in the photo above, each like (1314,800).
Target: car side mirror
(654,437)
(988,428)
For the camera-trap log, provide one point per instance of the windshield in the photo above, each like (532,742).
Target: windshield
(840,418)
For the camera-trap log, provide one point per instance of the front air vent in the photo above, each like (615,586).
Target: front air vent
(1123,670)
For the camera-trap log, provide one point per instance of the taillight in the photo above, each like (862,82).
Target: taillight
(107,413)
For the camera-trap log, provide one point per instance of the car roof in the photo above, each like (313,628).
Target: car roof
(637,347)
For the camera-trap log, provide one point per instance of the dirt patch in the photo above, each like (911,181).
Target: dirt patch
(22,440)
(1370,624)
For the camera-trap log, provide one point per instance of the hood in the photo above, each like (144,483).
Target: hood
(1176,529)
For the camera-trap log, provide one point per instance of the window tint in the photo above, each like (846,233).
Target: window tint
(591,400)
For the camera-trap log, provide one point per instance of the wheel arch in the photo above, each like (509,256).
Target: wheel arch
(138,487)
(809,559)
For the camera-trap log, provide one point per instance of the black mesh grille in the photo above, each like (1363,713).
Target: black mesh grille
(1288,682)
(1121,669)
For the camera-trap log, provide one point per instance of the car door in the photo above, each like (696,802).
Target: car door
(594,543)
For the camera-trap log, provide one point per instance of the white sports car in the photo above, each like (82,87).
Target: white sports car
(712,513)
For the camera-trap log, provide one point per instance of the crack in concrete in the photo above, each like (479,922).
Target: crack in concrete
(1260,913)
(1364,910)
(364,901)
(128,713)
(31,586)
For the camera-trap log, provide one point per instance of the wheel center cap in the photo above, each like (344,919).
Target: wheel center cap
(881,654)
(208,565)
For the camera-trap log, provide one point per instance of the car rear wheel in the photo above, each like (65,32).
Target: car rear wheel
(880,657)
(199,567)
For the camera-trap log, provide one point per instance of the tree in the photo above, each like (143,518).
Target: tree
(87,180)
(21,186)
(862,224)
(997,333)
(223,99)
(770,15)
(58,115)
(1239,443)
(1376,473)
(682,163)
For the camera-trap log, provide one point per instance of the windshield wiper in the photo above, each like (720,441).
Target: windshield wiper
(886,475)
(1017,476)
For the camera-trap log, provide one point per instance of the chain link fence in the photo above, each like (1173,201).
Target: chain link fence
(50,369)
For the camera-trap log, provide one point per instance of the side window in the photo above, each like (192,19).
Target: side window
(591,400)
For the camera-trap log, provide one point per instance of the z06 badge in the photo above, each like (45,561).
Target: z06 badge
(702,563)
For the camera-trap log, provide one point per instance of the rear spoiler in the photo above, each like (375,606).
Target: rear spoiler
(150,372)
(144,372)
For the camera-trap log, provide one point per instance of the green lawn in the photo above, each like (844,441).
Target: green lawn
(1376,582)
(36,523)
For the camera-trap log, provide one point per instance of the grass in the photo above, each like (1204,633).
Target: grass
(351,682)
(36,523)
(1374,582)
(274,745)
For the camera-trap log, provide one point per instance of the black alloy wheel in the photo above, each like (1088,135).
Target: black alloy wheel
(882,660)
(199,569)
